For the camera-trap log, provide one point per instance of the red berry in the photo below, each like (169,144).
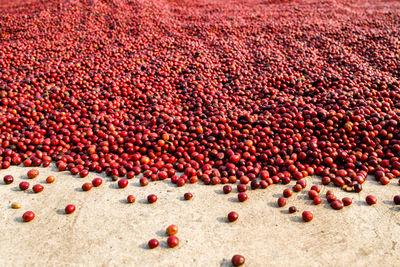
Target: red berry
(8,179)
(32,173)
(153,243)
(371,200)
(151,198)
(122,183)
(180,182)
(172,230)
(50,179)
(97,182)
(69,209)
(172,241)
(347,201)
(188,196)
(337,204)
(396,199)
(131,199)
(143,181)
(384,180)
(330,198)
(292,209)
(227,189)
(297,188)
(312,194)
(281,202)
(315,188)
(287,192)
(307,216)
(233,216)
(317,200)
(23,186)
(238,260)
(87,186)
(242,197)
(28,216)
(241,188)
(37,188)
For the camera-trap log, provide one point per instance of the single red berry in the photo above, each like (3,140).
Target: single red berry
(317,200)
(172,230)
(153,243)
(131,199)
(347,201)
(50,179)
(292,209)
(188,196)
(32,173)
(151,198)
(337,204)
(28,216)
(227,189)
(8,179)
(307,216)
(122,183)
(241,188)
(242,196)
(371,200)
(172,241)
(281,202)
(238,260)
(396,199)
(233,216)
(330,198)
(37,188)
(97,182)
(287,192)
(87,186)
(23,186)
(143,181)
(69,209)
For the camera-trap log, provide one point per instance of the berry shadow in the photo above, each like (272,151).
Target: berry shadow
(285,211)
(225,263)
(296,219)
(143,201)
(113,186)
(16,189)
(361,203)
(136,184)
(273,204)
(395,209)
(388,202)
(61,212)
(303,197)
(19,220)
(233,199)
(161,233)
(223,220)
(78,189)
(124,201)
(144,246)
(53,168)
(219,192)
(181,198)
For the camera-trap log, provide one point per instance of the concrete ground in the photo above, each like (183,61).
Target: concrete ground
(107,231)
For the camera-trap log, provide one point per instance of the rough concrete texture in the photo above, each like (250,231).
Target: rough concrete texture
(107,231)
